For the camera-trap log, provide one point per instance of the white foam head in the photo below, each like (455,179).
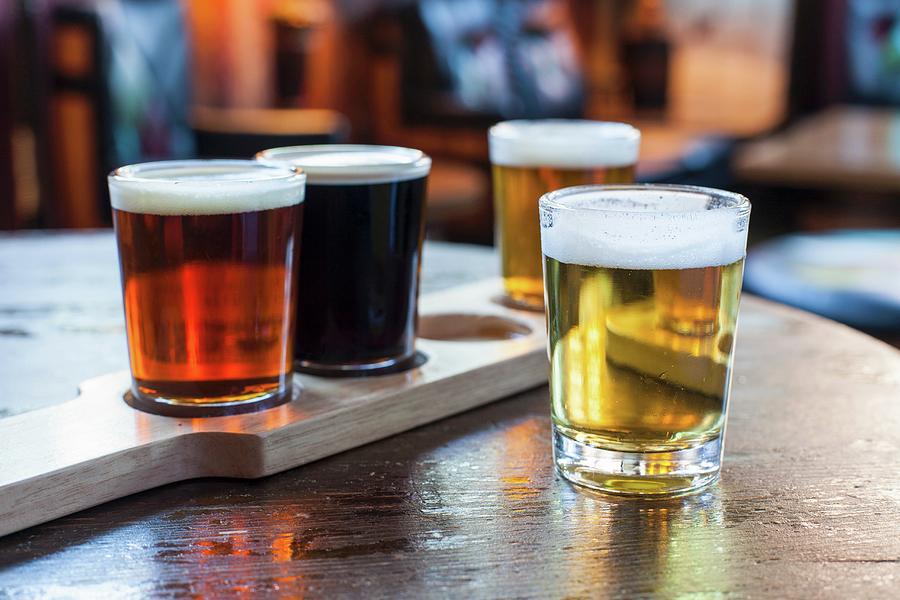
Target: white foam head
(644,227)
(564,143)
(204,187)
(351,164)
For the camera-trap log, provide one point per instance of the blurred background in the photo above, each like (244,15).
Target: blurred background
(792,102)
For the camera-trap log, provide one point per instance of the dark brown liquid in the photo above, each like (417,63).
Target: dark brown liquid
(360,273)
(208,302)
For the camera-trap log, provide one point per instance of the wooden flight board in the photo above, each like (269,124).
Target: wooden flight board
(96,448)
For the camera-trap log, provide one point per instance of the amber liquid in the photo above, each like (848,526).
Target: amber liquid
(641,359)
(516,194)
(209,303)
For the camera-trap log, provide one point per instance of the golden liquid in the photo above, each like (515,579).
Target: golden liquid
(641,359)
(516,194)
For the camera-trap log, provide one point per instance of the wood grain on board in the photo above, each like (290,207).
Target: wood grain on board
(78,454)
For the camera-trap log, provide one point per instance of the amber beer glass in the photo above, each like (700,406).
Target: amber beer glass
(643,285)
(208,252)
(364,223)
(531,158)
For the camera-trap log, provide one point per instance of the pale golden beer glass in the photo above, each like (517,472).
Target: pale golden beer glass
(642,291)
(531,158)
(208,253)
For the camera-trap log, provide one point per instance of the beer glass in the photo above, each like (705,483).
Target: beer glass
(208,252)
(531,158)
(363,227)
(642,289)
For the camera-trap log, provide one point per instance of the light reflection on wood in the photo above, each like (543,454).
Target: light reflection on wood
(96,448)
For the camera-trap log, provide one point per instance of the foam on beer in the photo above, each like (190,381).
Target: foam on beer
(563,143)
(678,228)
(351,164)
(199,187)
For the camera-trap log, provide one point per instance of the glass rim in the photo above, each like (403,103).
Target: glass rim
(137,172)
(731,201)
(564,143)
(411,163)
(618,130)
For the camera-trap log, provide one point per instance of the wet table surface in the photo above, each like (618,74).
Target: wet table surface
(470,506)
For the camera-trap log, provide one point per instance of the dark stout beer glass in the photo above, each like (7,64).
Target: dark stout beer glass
(362,242)
(208,251)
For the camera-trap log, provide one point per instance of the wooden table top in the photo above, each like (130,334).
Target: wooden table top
(846,148)
(470,506)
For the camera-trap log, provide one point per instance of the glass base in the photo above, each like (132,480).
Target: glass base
(648,474)
(169,407)
(385,367)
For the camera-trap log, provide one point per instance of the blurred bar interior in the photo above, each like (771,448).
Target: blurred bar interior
(793,103)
